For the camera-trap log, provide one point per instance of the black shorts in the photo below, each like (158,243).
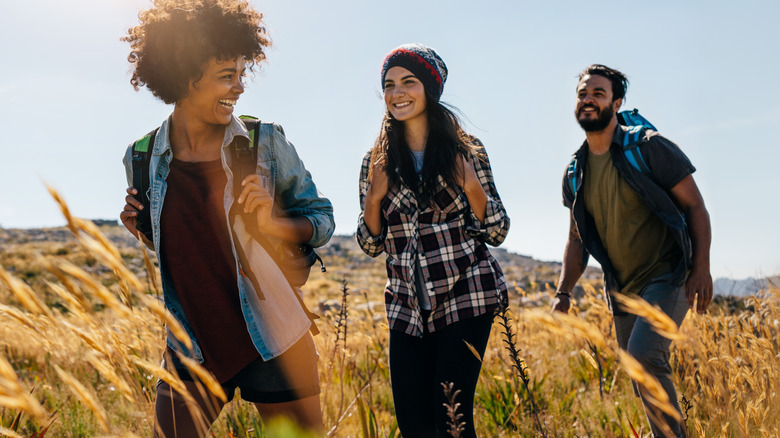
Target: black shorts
(291,376)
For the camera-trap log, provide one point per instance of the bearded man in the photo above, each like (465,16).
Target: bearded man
(650,231)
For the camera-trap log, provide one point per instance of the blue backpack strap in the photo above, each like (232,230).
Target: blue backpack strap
(633,118)
(142,152)
(631,143)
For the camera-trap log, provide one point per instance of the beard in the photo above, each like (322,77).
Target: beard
(603,117)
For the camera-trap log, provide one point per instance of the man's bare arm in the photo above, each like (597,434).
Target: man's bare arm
(690,201)
(575,260)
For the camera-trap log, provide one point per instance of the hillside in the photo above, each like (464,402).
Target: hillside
(344,257)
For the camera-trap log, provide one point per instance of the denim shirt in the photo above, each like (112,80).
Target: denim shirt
(274,317)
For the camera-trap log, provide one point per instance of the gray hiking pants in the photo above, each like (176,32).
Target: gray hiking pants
(636,336)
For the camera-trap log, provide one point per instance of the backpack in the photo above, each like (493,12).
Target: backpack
(631,145)
(294,260)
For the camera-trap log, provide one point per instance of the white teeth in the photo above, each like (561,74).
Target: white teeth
(402,104)
(227,102)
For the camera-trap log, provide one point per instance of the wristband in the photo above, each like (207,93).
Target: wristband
(567,294)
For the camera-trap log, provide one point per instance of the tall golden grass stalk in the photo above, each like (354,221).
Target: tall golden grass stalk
(24,293)
(20,317)
(568,326)
(9,433)
(654,393)
(90,337)
(167,377)
(100,291)
(107,253)
(204,376)
(95,242)
(658,320)
(151,277)
(73,303)
(66,282)
(108,371)
(81,392)
(13,396)
(158,308)
(473,351)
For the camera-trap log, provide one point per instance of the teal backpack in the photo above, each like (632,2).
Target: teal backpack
(631,145)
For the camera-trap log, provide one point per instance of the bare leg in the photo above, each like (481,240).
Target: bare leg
(306,412)
(174,418)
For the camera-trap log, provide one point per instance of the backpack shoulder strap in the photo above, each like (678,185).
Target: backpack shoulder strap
(252,124)
(632,142)
(572,173)
(633,118)
(244,153)
(637,127)
(142,152)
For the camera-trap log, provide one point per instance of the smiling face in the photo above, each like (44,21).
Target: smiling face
(212,97)
(404,95)
(595,108)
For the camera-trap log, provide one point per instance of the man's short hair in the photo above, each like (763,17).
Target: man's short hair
(619,80)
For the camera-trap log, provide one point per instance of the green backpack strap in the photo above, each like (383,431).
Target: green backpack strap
(244,153)
(142,152)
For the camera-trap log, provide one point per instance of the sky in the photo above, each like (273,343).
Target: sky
(704,72)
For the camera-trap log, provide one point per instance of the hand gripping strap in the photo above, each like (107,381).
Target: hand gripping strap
(142,151)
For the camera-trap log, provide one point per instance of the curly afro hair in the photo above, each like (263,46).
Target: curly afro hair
(175,38)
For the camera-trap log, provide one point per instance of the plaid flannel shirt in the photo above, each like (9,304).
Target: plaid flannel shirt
(462,277)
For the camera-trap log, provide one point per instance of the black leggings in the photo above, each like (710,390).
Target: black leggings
(418,366)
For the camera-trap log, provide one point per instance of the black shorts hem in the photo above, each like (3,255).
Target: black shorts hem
(280,396)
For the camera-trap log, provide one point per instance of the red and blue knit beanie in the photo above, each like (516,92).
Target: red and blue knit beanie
(424,63)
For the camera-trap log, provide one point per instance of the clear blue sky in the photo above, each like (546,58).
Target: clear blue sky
(705,73)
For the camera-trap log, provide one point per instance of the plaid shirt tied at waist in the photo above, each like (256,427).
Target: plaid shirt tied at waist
(462,277)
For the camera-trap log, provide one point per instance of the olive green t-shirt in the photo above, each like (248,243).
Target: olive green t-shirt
(638,243)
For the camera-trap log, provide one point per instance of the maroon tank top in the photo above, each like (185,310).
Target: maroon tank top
(195,244)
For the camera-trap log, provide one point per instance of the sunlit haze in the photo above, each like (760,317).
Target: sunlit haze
(704,72)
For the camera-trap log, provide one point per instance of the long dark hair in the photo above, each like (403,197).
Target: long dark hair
(447,141)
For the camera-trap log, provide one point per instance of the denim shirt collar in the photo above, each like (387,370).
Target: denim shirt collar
(162,142)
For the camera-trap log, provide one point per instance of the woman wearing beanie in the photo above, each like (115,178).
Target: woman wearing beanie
(428,201)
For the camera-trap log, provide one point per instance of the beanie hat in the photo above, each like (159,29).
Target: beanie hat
(424,63)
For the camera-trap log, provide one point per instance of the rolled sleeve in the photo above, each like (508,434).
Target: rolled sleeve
(495,227)
(127,161)
(298,193)
(667,162)
(370,244)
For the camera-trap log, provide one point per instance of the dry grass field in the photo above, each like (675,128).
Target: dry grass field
(82,329)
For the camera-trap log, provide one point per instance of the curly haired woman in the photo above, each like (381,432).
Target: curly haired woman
(429,203)
(244,320)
